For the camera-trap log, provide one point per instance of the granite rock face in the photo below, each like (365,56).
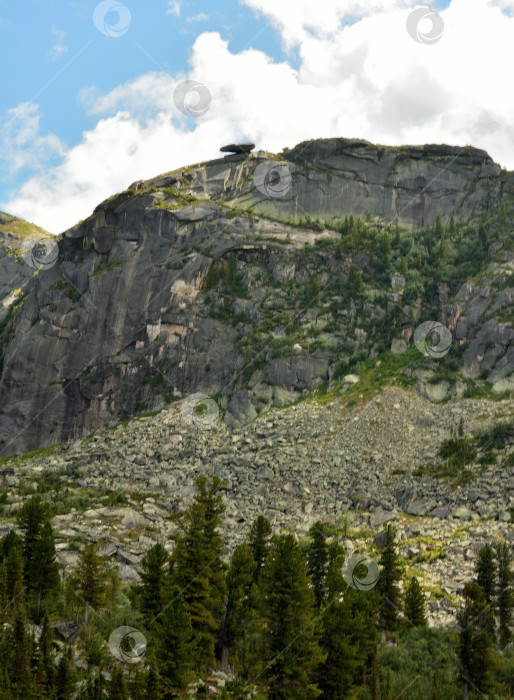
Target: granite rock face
(17,239)
(133,316)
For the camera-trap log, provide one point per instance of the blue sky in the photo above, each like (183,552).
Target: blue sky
(83,114)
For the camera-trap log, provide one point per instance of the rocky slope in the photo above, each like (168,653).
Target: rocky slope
(234,278)
(353,461)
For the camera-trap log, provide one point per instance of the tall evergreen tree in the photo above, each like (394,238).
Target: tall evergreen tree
(475,640)
(237,611)
(44,568)
(260,543)
(118,685)
(485,570)
(91,578)
(335,583)
(198,570)
(173,646)
(317,560)
(388,583)
(14,569)
(64,682)
(505,593)
(31,518)
(349,642)
(414,607)
(291,642)
(155,580)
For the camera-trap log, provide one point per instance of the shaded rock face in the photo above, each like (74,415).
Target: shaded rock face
(129,318)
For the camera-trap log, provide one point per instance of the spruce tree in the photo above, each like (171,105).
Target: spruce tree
(44,568)
(475,640)
(118,686)
(505,593)
(173,646)
(291,640)
(452,229)
(260,542)
(388,583)
(155,580)
(349,642)
(31,518)
(14,569)
(414,608)
(64,682)
(335,583)
(91,578)
(317,560)
(237,611)
(197,568)
(485,570)
(152,689)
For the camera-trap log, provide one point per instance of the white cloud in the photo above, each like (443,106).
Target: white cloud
(21,142)
(173,8)
(59,48)
(360,75)
(200,17)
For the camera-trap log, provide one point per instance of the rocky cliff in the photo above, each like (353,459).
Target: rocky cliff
(17,264)
(260,279)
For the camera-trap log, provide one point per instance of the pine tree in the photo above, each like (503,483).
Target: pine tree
(291,642)
(91,578)
(415,604)
(44,568)
(14,569)
(387,586)
(354,283)
(485,570)
(260,542)
(19,653)
(505,593)
(45,646)
(198,570)
(31,518)
(317,560)
(349,642)
(3,593)
(118,686)
(452,229)
(173,645)
(404,268)
(335,583)
(439,229)
(64,682)
(475,641)
(237,611)
(155,580)
(152,689)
